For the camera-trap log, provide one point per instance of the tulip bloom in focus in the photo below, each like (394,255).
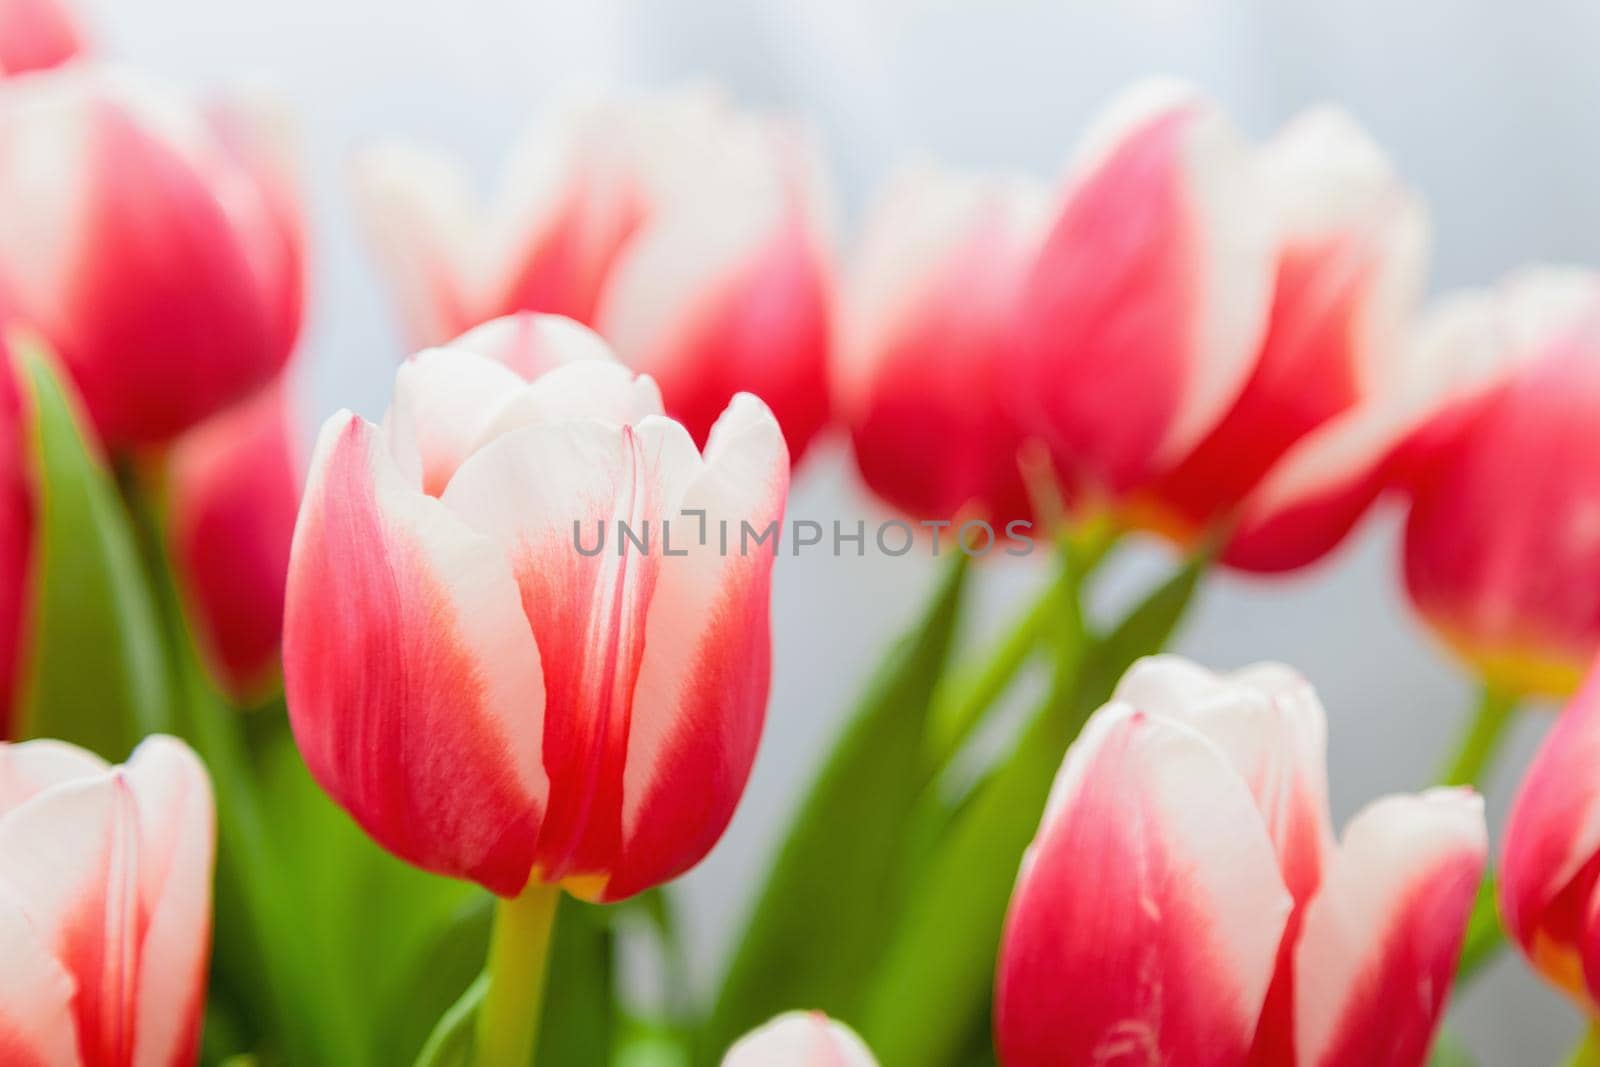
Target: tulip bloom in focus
(800,1039)
(927,322)
(1224,926)
(105,905)
(486,692)
(685,232)
(1551,860)
(36,34)
(106,181)
(234,493)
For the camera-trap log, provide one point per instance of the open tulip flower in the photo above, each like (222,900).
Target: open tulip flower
(685,232)
(486,691)
(36,34)
(800,1039)
(1550,864)
(1222,925)
(926,324)
(105,905)
(106,178)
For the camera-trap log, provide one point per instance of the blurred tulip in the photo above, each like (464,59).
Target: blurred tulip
(16,539)
(1141,317)
(1223,925)
(489,692)
(1502,545)
(800,1039)
(926,327)
(35,34)
(105,905)
(234,492)
(686,232)
(106,180)
(1550,866)
(1351,258)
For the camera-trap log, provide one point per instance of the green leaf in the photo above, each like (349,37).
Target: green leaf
(97,675)
(450,1044)
(819,921)
(1485,937)
(929,998)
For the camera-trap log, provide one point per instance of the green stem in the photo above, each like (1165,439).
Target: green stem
(1485,938)
(1587,1054)
(519,950)
(1485,735)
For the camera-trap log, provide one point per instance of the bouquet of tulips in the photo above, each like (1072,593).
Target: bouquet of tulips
(388,751)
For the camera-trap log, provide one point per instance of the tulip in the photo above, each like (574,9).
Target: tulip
(104,180)
(1551,856)
(490,689)
(36,34)
(926,329)
(234,492)
(800,1039)
(1223,925)
(685,232)
(1350,261)
(105,905)
(16,540)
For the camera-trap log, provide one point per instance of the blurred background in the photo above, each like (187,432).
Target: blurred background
(1488,109)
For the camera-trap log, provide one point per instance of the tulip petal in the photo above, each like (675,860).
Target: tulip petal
(36,1024)
(29,768)
(413,683)
(590,389)
(1380,940)
(420,216)
(1548,867)
(444,402)
(800,1039)
(532,344)
(701,695)
(36,34)
(537,492)
(1153,284)
(1165,954)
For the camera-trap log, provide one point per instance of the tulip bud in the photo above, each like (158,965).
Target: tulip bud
(800,1039)
(526,634)
(234,491)
(1502,543)
(927,326)
(104,179)
(1223,926)
(686,232)
(1141,317)
(1550,861)
(1350,260)
(16,539)
(105,904)
(35,34)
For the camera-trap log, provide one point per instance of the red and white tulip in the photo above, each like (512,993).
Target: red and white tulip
(36,35)
(927,324)
(800,1039)
(687,233)
(105,905)
(1550,862)
(1223,925)
(486,699)
(233,489)
(105,179)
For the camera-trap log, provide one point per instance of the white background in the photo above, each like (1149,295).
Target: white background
(1489,108)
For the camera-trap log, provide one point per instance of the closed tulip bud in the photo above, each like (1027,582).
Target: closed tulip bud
(234,491)
(1351,246)
(17,518)
(36,34)
(1141,317)
(800,1039)
(526,635)
(927,328)
(686,233)
(1223,924)
(104,179)
(105,905)
(1551,856)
